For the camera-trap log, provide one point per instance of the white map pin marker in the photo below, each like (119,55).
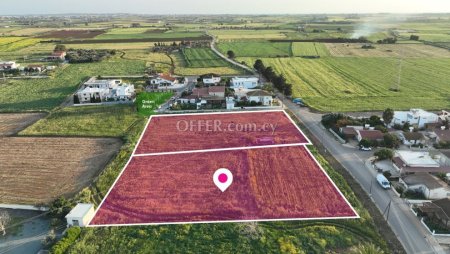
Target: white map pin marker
(223,178)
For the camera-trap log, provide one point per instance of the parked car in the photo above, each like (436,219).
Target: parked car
(363,148)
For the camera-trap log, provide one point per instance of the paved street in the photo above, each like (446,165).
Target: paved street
(405,225)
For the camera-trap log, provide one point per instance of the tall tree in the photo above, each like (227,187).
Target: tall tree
(5,219)
(388,115)
(231,54)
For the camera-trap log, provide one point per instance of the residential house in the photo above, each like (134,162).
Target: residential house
(80,215)
(415,117)
(260,96)
(348,132)
(371,135)
(95,90)
(406,162)
(9,65)
(35,68)
(430,186)
(164,80)
(411,138)
(244,82)
(438,211)
(211,79)
(213,95)
(442,135)
(57,55)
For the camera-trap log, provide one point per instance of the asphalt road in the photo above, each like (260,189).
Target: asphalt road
(406,226)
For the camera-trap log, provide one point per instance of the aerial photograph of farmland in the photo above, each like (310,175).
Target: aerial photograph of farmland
(287,126)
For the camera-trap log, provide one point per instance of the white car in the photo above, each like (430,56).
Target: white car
(363,148)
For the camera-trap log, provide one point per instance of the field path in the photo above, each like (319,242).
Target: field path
(213,48)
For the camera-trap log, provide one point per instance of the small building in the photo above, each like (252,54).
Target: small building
(430,186)
(348,132)
(80,215)
(438,211)
(211,79)
(415,117)
(213,95)
(57,55)
(371,135)
(260,96)
(9,65)
(244,82)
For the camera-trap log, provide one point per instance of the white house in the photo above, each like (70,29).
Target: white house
(80,215)
(105,90)
(260,96)
(415,117)
(244,82)
(430,186)
(9,65)
(163,80)
(211,79)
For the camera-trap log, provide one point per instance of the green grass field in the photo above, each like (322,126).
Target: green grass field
(361,84)
(46,94)
(147,103)
(109,121)
(256,49)
(309,49)
(202,58)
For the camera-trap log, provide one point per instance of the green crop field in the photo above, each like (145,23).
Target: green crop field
(8,44)
(182,68)
(227,35)
(256,49)
(45,94)
(109,121)
(202,58)
(141,33)
(359,84)
(309,49)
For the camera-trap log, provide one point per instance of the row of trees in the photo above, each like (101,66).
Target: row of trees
(88,55)
(279,81)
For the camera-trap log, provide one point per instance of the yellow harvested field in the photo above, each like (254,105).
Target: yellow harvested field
(11,124)
(39,170)
(386,50)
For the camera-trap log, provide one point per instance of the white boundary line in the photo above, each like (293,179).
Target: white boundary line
(217,150)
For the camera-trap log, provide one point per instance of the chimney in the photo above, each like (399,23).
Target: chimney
(411,129)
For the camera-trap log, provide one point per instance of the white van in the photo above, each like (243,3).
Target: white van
(383,181)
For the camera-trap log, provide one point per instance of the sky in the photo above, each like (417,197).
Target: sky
(221,7)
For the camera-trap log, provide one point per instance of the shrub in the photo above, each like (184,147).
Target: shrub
(69,238)
(384,154)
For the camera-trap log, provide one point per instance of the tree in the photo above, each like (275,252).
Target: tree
(391,141)
(60,47)
(388,115)
(5,219)
(259,65)
(414,37)
(231,54)
(365,143)
(384,154)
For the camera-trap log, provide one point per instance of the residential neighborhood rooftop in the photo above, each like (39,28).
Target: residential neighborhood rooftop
(431,182)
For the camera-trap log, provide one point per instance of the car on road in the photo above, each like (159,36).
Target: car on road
(383,181)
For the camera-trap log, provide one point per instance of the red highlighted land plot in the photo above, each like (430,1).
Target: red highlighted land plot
(269,183)
(171,133)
